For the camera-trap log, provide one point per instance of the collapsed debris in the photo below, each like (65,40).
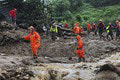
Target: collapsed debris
(18,74)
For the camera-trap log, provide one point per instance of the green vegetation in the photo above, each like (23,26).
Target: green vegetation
(30,11)
(101,3)
(68,10)
(91,14)
(85,11)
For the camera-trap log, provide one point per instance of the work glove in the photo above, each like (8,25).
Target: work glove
(23,40)
(26,41)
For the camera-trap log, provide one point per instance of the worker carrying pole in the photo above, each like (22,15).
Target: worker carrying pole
(35,39)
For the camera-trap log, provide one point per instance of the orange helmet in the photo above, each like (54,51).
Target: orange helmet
(31,27)
(100,20)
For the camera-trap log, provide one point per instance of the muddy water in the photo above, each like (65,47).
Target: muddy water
(85,71)
(55,71)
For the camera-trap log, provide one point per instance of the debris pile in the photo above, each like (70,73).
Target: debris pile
(18,74)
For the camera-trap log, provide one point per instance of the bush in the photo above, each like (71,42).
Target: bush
(100,3)
(91,14)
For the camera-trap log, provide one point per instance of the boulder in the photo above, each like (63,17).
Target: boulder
(108,72)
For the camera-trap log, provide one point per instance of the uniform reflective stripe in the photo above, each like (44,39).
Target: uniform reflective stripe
(53,29)
(107,28)
(108,31)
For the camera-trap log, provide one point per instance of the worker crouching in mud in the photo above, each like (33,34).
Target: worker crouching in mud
(34,38)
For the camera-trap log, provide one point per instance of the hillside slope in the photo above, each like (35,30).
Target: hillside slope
(89,13)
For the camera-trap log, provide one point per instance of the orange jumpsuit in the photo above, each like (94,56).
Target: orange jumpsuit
(80,49)
(76,28)
(88,27)
(34,41)
(81,29)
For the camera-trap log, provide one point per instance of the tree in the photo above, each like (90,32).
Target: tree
(30,11)
(59,7)
(99,3)
(79,19)
(75,4)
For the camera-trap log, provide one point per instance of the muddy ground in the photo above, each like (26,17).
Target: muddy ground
(56,51)
(15,54)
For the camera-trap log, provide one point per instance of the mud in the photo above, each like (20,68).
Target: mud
(106,69)
(94,47)
(53,62)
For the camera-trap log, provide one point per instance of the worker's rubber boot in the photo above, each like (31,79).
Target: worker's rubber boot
(84,60)
(112,37)
(35,56)
(79,59)
(35,59)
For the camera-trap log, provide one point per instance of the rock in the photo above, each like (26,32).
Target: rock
(27,61)
(24,25)
(2,78)
(77,73)
(98,66)
(72,78)
(13,62)
(21,74)
(83,66)
(108,72)
(3,54)
(109,67)
(118,65)
(107,75)
(6,26)
(57,75)
(43,75)
(26,77)
(35,78)
(30,73)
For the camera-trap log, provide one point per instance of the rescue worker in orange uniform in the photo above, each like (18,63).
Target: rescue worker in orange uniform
(80,49)
(94,28)
(81,29)
(76,28)
(117,29)
(88,27)
(34,38)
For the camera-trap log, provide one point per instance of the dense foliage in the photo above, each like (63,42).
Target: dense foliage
(30,11)
(62,9)
(100,3)
(91,14)
(82,11)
